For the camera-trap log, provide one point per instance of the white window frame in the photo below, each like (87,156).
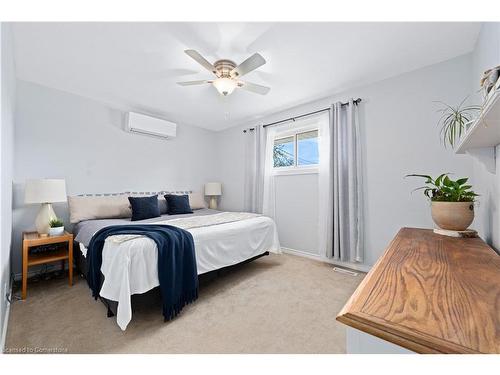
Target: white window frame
(296,168)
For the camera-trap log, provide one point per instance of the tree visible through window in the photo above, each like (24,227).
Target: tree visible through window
(284,152)
(300,149)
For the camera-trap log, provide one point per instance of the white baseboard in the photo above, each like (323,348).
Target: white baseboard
(304,254)
(319,258)
(5,321)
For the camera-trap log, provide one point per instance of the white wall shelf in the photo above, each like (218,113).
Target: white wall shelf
(485,130)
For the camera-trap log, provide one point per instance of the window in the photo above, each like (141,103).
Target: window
(307,148)
(284,152)
(297,150)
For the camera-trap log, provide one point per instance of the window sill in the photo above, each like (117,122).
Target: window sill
(295,171)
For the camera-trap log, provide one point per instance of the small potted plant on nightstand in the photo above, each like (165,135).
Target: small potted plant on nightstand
(452,202)
(56,227)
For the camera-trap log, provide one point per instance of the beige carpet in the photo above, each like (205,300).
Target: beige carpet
(276,304)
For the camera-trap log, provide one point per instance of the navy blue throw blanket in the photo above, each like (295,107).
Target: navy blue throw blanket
(176,263)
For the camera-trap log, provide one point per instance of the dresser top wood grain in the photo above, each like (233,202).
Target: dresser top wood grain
(431,294)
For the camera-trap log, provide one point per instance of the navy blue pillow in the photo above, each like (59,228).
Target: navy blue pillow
(144,207)
(178,204)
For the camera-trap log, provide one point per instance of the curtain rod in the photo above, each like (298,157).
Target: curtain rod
(357,101)
(308,114)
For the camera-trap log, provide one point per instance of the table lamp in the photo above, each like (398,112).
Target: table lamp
(44,191)
(213,190)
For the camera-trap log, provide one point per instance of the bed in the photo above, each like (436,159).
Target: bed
(129,264)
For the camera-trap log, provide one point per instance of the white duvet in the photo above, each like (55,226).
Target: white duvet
(129,263)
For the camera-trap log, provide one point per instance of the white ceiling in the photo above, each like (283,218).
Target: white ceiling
(134,66)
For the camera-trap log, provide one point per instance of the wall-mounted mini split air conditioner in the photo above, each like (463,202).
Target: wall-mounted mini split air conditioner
(147,125)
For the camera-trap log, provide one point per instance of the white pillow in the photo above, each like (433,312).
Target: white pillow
(196,201)
(98,207)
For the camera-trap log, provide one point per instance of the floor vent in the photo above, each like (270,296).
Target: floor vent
(344,271)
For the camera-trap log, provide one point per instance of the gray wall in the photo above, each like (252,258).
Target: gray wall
(487,55)
(399,136)
(61,135)
(7,77)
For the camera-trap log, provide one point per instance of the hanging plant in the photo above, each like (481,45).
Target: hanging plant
(454,120)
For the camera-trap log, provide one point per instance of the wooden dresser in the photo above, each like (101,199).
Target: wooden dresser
(431,294)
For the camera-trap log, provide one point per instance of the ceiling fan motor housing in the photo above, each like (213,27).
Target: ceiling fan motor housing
(223,68)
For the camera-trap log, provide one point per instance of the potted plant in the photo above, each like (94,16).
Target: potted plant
(452,202)
(56,227)
(455,121)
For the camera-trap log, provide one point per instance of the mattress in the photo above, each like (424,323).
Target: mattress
(130,267)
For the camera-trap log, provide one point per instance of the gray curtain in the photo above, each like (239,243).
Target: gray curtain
(346,180)
(254,168)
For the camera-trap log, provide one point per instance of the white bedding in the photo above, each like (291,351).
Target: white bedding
(130,266)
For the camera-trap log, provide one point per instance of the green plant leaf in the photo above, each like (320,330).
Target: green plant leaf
(429,179)
(447,181)
(420,188)
(419,175)
(444,189)
(438,180)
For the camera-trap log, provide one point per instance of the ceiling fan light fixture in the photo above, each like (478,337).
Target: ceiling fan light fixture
(227,74)
(224,85)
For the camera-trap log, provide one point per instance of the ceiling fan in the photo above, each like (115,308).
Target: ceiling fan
(228,73)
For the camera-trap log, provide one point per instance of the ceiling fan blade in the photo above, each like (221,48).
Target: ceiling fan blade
(253,87)
(252,63)
(195,55)
(192,83)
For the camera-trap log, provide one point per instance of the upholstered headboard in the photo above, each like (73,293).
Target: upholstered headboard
(134,193)
(116,205)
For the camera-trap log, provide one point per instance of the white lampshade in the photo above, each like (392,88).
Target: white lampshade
(213,188)
(45,191)
(224,85)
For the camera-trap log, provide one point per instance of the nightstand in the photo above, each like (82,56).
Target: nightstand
(32,239)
